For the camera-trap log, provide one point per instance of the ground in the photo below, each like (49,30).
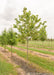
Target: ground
(42,60)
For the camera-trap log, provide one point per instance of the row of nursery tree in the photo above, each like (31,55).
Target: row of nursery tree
(8,38)
(29,27)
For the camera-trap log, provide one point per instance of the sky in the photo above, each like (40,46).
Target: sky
(10,9)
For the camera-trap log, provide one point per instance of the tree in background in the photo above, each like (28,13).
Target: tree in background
(11,38)
(27,25)
(21,38)
(42,32)
(3,38)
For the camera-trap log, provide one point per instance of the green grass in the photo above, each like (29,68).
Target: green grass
(44,63)
(41,51)
(6,68)
(41,44)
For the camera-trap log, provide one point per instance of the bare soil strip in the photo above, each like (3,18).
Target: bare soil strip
(51,57)
(25,67)
(6,54)
(40,48)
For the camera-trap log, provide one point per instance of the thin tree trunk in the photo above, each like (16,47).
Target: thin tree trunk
(51,43)
(42,44)
(5,47)
(27,47)
(11,51)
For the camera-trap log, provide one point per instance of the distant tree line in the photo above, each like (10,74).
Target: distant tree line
(50,39)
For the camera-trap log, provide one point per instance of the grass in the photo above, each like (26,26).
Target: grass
(6,68)
(41,51)
(41,44)
(44,63)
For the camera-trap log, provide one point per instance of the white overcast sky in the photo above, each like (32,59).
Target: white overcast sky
(10,9)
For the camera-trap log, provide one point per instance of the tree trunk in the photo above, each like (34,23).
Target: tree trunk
(11,51)
(51,43)
(5,47)
(27,47)
(42,44)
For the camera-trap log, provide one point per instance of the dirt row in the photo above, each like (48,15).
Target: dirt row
(25,66)
(39,48)
(50,57)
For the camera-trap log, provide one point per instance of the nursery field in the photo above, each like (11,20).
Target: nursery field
(26,38)
(40,58)
(44,63)
(41,44)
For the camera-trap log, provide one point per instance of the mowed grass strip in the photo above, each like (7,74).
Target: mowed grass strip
(42,44)
(44,63)
(6,68)
(41,51)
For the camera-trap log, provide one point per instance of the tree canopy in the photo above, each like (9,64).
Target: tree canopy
(3,37)
(11,37)
(42,32)
(28,24)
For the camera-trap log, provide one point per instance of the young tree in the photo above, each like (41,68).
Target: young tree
(21,38)
(27,25)
(11,38)
(3,38)
(42,32)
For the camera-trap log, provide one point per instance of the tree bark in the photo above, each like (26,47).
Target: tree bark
(5,47)
(51,43)
(42,44)
(27,48)
(11,51)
